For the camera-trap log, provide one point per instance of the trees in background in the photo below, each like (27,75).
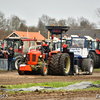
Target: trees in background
(43,21)
(85,24)
(79,23)
(3,34)
(14,23)
(72,22)
(2,25)
(97,13)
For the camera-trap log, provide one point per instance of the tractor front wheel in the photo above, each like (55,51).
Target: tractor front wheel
(44,69)
(17,61)
(87,65)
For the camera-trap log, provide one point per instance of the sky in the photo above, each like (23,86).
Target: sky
(32,10)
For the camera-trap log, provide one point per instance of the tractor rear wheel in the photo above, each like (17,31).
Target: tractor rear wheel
(17,54)
(44,69)
(51,64)
(95,58)
(87,65)
(64,64)
(54,64)
(98,61)
(17,61)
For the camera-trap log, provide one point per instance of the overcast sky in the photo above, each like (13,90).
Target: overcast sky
(32,10)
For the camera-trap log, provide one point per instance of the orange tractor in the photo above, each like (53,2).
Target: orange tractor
(59,62)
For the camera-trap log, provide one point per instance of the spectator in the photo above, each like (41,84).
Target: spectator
(1,53)
(10,58)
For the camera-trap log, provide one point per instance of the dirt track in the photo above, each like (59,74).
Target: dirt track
(13,78)
(55,95)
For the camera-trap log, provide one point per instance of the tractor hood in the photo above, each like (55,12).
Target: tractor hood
(32,57)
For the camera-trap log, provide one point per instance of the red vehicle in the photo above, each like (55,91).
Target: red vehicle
(95,54)
(58,62)
(1,44)
(21,47)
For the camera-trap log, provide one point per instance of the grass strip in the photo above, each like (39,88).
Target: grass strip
(46,84)
(97,70)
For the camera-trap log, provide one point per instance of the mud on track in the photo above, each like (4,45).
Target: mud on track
(10,78)
(13,78)
(54,95)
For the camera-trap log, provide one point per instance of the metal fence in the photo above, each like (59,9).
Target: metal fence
(3,64)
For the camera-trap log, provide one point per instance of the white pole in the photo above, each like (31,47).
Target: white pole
(27,33)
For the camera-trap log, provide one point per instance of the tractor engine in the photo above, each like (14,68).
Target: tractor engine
(34,56)
(34,62)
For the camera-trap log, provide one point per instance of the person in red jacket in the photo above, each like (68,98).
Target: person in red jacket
(64,46)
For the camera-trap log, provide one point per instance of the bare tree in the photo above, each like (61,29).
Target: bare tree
(14,23)
(44,21)
(85,24)
(72,22)
(40,24)
(97,12)
(62,22)
(3,34)
(32,29)
(22,27)
(2,21)
(41,28)
(52,21)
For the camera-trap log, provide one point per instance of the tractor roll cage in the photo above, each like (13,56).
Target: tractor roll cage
(57,30)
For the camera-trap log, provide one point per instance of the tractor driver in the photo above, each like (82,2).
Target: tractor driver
(65,49)
(46,50)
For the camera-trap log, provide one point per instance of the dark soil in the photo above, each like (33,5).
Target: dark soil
(10,78)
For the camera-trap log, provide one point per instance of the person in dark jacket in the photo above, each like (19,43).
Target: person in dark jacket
(1,53)
(10,58)
(46,50)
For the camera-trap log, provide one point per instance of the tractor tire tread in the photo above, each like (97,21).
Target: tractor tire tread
(86,64)
(54,64)
(61,64)
(96,60)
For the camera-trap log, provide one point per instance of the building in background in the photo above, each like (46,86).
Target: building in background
(23,34)
(94,33)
